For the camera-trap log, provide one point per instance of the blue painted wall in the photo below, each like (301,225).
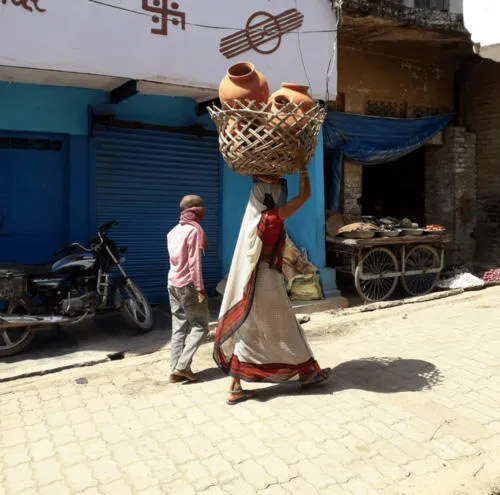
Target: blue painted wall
(48,109)
(306,228)
(30,107)
(159,110)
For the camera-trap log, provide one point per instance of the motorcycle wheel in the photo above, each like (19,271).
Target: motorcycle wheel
(13,341)
(135,307)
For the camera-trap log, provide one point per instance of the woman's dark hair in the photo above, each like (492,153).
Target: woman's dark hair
(269,201)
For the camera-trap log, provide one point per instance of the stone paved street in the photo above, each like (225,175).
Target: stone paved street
(412,407)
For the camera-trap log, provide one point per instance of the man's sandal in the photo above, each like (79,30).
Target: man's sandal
(240,396)
(176,378)
(185,375)
(319,377)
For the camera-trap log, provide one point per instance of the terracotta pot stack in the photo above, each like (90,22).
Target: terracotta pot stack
(261,133)
(243,82)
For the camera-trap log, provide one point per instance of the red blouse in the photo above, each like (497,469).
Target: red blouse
(271,230)
(272,226)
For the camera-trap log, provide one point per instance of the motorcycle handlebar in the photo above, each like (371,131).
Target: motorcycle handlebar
(70,247)
(106,226)
(65,249)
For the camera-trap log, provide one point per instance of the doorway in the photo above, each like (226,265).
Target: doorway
(396,189)
(33,201)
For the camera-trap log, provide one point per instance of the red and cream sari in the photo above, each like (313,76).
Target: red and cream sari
(258,338)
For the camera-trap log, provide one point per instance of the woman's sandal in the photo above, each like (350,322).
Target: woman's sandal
(241,396)
(319,377)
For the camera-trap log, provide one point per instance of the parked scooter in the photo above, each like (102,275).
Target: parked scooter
(68,291)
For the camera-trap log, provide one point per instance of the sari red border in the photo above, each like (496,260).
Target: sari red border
(234,317)
(232,320)
(274,372)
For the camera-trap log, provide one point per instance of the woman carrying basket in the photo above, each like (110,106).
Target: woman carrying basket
(258,338)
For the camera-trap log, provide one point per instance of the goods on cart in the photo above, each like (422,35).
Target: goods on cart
(434,229)
(334,222)
(358,230)
(261,134)
(408,224)
(386,231)
(492,275)
(413,231)
(389,221)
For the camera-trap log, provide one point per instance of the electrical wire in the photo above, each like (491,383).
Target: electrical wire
(301,54)
(331,63)
(333,59)
(194,24)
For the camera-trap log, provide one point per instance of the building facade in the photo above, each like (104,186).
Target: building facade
(103,115)
(397,60)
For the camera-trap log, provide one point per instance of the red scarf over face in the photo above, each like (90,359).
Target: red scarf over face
(193,216)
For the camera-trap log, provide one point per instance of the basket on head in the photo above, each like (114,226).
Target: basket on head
(256,141)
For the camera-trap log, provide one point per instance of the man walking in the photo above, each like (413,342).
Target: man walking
(188,302)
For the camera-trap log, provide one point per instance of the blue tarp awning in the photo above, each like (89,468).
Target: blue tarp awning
(372,140)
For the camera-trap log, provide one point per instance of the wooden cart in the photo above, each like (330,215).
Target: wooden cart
(378,264)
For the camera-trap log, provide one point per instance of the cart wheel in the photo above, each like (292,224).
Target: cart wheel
(421,258)
(377,261)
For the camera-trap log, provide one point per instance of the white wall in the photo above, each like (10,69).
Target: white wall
(116,39)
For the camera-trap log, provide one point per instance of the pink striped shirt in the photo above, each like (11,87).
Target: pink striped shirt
(185,258)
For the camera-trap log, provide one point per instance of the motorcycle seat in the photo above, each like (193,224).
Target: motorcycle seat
(23,269)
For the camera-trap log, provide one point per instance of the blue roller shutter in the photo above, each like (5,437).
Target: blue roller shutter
(141,176)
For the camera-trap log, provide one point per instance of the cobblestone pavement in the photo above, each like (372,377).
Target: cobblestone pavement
(94,342)
(412,407)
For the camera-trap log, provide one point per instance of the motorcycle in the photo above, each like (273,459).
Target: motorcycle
(69,291)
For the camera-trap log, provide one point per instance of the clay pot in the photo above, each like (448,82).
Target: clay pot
(298,94)
(243,82)
(277,102)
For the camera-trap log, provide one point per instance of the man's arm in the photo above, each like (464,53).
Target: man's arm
(194,260)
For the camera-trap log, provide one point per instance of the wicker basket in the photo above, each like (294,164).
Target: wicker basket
(255,141)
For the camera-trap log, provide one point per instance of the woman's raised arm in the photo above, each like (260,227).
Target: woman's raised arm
(304,194)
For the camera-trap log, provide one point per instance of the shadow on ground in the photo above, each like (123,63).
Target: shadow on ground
(374,374)
(107,334)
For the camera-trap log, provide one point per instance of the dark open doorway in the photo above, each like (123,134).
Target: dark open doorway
(396,189)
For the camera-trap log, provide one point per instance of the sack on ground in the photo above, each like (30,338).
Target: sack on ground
(305,287)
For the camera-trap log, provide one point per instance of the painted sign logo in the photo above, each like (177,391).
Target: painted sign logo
(165,15)
(28,5)
(262,33)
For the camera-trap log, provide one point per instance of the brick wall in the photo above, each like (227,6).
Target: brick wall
(382,79)
(450,195)
(352,188)
(482,116)
(365,75)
